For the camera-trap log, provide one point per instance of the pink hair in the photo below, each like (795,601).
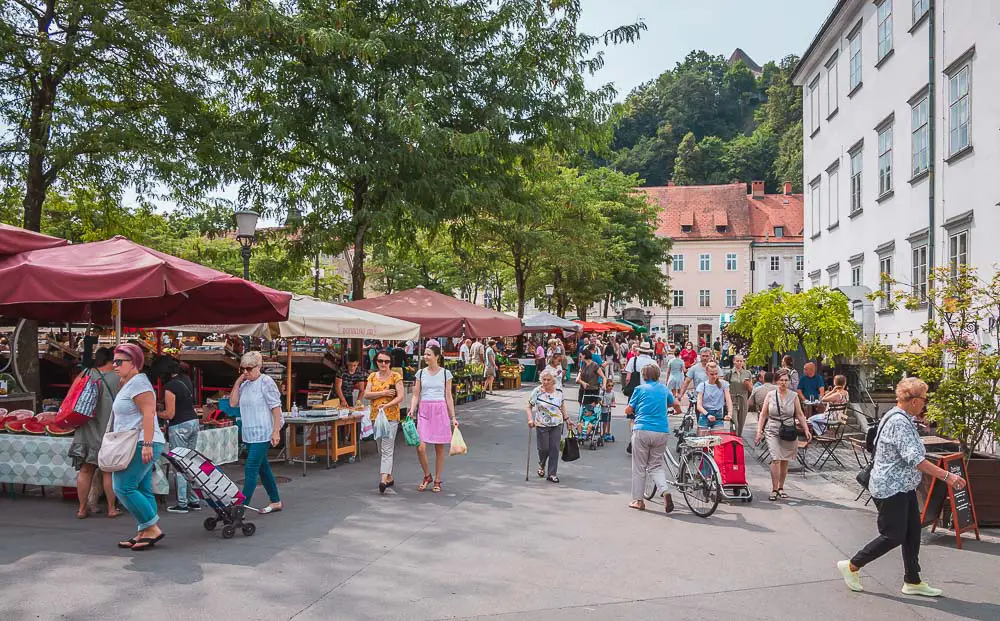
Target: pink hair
(134,353)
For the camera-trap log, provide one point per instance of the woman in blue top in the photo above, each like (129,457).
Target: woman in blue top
(714,400)
(650,433)
(134,407)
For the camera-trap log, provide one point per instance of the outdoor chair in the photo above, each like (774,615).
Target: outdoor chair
(833,437)
(857,440)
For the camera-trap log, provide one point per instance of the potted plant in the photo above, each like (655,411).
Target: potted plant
(959,358)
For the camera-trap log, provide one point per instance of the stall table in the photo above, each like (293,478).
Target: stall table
(323,439)
(44,461)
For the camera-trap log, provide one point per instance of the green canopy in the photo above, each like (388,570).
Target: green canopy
(639,329)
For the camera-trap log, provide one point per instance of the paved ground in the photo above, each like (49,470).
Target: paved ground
(491,545)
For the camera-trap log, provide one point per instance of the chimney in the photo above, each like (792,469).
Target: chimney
(788,188)
(757,189)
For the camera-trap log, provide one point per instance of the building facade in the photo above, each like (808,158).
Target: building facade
(725,242)
(900,146)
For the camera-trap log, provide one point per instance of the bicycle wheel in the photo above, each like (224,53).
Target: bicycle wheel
(651,489)
(699,484)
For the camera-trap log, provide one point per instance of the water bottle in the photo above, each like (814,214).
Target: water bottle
(295,410)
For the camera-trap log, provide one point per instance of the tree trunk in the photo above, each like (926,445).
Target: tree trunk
(607,303)
(27,358)
(520,284)
(581,311)
(361,226)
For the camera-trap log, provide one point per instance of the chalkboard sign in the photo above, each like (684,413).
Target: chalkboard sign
(960,504)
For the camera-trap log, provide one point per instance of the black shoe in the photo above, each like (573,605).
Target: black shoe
(194,506)
(628,449)
(381,487)
(177,509)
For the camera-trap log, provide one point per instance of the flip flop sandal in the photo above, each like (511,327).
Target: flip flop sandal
(638,506)
(425,484)
(82,515)
(437,487)
(127,544)
(782,494)
(112,516)
(773,496)
(145,543)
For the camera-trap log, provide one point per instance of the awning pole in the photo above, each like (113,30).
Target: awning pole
(116,309)
(289,385)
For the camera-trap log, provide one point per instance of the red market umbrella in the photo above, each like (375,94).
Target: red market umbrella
(619,327)
(14,240)
(590,326)
(441,315)
(80,281)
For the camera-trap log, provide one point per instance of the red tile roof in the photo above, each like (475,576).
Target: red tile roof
(705,208)
(776,210)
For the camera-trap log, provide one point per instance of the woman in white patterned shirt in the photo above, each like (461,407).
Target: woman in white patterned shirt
(899,466)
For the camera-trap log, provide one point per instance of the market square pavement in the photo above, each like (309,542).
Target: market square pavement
(491,545)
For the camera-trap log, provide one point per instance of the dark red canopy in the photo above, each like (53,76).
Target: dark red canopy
(14,240)
(441,315)
(78,282)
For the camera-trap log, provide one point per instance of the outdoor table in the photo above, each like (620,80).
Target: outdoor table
(936,442)
(331,443)
(44,461)
(306,422)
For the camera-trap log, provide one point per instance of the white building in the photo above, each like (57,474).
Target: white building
(901,150)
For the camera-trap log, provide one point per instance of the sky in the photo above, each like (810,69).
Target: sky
(765,29)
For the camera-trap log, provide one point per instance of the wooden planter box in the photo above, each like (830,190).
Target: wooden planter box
(984,479)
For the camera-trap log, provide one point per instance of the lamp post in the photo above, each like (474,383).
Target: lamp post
(246,235)
(488,299)
(549,291)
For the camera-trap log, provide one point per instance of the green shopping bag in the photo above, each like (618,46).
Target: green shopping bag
(410,432)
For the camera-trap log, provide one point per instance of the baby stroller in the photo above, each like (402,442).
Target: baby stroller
(218,491)
(590,424)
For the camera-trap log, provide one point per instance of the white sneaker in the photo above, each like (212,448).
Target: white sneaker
(921,589)
(851,578)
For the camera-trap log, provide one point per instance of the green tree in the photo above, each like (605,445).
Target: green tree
(788,164)
(701,163)
(377,113)
(818,320)
(751,158)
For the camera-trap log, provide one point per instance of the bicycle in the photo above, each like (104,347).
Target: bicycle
(696,475)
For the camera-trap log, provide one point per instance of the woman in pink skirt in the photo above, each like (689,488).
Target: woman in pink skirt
(436,414)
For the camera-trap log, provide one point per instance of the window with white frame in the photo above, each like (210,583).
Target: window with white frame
(775,264)
(705,262)
(678,298)
(885,159)
(731,298)
(958,251)
(856,171)
(834,279)
(704,297)
(677,261)
(958,110)
(856,275)
(920,8)
(731,262)
(800,263)
(814,118)
(854,47)
(884,16)
(814,202)
(919,271)
(885,273)
(833,196)
(920,133)
(814,281)
(832,100)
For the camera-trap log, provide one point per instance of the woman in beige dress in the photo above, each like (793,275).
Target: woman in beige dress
(781,407)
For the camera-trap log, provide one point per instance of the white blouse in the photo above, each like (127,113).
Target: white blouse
(257,398)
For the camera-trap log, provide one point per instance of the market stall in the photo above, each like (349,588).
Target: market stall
(441,315)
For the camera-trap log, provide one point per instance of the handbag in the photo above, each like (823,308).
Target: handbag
(786,432)
(865,474)
(117,447)
(80,404)
(571,447)
(410,432)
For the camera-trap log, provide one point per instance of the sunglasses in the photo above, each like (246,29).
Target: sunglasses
(117,362)
(247,369)
(383,361)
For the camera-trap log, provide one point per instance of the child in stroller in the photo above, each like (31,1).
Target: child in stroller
(589,426)
(606,406)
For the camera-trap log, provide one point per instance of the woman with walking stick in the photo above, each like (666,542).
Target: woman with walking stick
(546,414)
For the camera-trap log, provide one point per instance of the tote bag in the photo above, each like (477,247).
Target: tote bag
(117,447)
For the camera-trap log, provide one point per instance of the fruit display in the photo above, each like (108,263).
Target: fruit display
(26,422)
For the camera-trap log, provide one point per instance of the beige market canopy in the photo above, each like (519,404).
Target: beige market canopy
(309,317)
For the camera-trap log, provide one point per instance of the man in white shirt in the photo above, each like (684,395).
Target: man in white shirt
(478,352)
(464,352)
(636,364)
(409,348)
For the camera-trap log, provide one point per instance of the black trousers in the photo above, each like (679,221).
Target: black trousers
(898,525)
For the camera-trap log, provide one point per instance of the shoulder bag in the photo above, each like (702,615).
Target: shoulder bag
(117,447)
(634,379)
(786,432)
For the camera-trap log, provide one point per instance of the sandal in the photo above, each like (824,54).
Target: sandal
(638,505)
(270,509)
(774,495)
(781,493)
(145,543)
(553,479)
(113,514)
(127,544)
(82,515)
(541,472)
(428,479)
(437,487)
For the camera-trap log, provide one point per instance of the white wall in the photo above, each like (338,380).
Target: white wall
(968,183)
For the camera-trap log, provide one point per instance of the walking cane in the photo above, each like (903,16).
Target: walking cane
(527,466)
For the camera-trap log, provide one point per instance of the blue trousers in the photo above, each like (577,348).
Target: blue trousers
(134,487)
(184,435)
(257,466)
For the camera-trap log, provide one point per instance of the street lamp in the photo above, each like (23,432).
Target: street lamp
(549,290)
(488,299)
(246,234)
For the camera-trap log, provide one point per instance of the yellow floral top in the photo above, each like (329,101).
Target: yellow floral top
(377,385)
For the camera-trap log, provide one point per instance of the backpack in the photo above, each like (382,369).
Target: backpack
(80,404)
